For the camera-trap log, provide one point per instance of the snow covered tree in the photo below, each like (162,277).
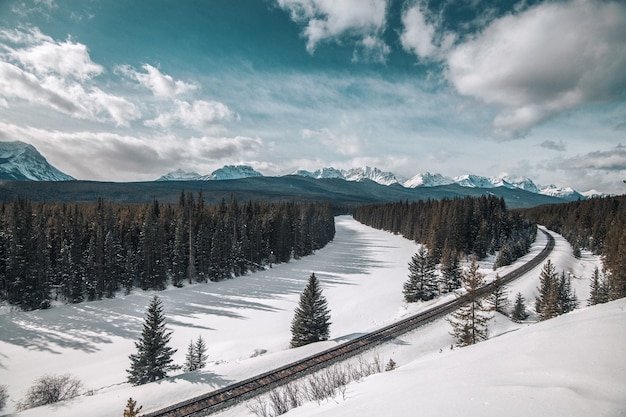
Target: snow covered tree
(196,356)
(154,357)
(499,297)
(130,410)
(311,321)
(470,323)
(422,282)
(391,365)
(519,309)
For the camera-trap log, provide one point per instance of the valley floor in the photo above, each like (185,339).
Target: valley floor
(245,322)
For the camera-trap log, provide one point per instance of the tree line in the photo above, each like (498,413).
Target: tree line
(470,226)
(88,251)
(598,225)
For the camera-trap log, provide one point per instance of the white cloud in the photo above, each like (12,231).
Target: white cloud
(199,115)
(43,55)
(162,85)
(107,156)
(544,61)
(344,144)
(417,36)
(329,19)
(16,83)
(54,74)
(371,49)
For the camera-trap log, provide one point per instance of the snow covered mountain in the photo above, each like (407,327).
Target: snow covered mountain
(180,175)
(234,172)
(228,172)
(21,161)
(427,179)
(353,174)
(374,174)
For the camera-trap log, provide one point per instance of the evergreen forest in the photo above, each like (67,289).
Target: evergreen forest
(470,226)
(87,251)
(598,225)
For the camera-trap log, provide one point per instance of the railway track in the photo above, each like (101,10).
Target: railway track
(214,401)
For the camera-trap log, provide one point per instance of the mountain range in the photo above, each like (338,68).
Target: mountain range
(388,178)
(26,173)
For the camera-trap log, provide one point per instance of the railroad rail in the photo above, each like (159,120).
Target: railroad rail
(219,399)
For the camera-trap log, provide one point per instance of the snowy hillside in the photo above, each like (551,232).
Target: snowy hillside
(21,161)
(574,361)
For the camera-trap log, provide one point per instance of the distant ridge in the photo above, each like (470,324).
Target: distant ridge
(22,162)
(228,172)
(426,179)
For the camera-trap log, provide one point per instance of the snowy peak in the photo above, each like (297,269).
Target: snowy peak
(373,174)
(329,172)
(21,161)
(427,179)
(566,193)
(523,183)
(228,172)
(477,181)
(180,175)
(234,172)
(353,174)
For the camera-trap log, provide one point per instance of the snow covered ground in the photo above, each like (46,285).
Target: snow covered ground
(572,365)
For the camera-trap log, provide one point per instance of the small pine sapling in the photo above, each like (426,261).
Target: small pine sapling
(130,410)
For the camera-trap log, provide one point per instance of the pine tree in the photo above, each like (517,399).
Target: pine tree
(190,358)
(311,321)
(519,313)
(450,270)
(422,282)
(470,322)
(499,297)
(546,303)
(130,410)
(153,358)
(598,288)
(196,356)
(567,300)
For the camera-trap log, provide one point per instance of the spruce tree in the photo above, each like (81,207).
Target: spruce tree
(450,270)
(311,321)
(546,303)
(567,300)
(422,282)
(154,357)
(499,297)
(470,322)
(598,288)
(519,313)
(196,356)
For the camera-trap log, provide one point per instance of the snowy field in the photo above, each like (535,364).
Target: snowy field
(569,366)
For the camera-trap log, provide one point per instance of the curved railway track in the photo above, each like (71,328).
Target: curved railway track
(214,401)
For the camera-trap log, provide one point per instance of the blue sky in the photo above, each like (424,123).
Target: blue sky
(128,91)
